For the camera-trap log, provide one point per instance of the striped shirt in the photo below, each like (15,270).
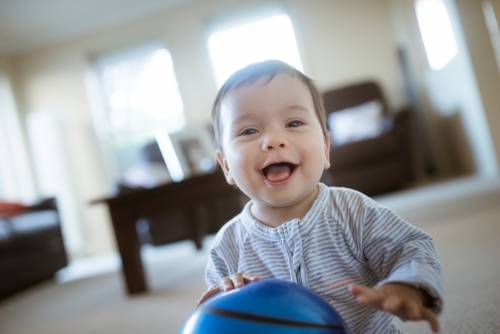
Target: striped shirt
(344,238)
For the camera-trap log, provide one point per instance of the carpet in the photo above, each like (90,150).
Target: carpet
(463,216)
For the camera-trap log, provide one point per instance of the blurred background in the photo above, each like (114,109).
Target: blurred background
(86,87)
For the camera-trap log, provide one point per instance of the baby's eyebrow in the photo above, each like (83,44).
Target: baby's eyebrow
(295,107)
(241,118)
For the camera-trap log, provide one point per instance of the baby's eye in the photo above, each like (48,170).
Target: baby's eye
(247,132)
(294,124)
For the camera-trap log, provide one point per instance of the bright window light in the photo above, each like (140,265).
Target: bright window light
(272,38)
(140,96)
(492,24)
(140,90)
(437,33)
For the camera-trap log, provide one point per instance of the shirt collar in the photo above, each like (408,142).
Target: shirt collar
(305,224)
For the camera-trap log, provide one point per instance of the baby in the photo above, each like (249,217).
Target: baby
(362,258)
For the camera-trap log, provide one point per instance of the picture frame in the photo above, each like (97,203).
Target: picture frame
(188,152)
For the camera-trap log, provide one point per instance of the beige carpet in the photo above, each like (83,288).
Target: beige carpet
(463,216)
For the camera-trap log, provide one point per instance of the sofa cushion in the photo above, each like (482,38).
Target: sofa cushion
(356,123)
(361,152)
(31,247)
(5,234)
(32,232)
(34,222)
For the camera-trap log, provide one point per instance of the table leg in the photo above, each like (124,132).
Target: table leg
(130,250)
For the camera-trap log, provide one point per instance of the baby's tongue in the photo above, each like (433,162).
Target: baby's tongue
(278,172)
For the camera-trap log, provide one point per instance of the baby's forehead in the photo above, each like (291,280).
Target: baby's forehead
(265,80)
(282,86)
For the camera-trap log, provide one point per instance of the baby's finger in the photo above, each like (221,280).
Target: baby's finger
(356,290)
(413,311)
(237,280)
(392,304)
(250,278)
(226,284)
(367,295)
(431,317)
(207,295)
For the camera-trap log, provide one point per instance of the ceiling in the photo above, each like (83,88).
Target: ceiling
(28,24)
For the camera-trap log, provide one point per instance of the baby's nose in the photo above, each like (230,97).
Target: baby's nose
(273,143)
(272,146)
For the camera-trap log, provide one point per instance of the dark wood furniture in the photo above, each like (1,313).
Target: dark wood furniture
(198,198)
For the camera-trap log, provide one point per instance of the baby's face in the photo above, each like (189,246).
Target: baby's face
(273,145)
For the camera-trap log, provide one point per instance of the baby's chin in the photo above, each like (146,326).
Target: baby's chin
(285,199)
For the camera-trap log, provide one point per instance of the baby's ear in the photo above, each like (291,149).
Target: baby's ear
(327,152)
(225,167)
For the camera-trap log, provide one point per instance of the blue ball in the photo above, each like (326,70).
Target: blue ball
(266,306)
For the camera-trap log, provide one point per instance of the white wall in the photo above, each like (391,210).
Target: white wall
(485,68)
(455,89)
(46,134)
(347,41)
(451,97)
(339,42)
(15,173)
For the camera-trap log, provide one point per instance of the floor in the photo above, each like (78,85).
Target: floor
(463,216)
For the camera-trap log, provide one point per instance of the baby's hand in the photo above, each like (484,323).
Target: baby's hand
(228,283)
(402,300)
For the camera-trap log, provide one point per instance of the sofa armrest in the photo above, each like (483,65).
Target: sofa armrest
(403,131)
(362,152)
(401,118)
(44,204)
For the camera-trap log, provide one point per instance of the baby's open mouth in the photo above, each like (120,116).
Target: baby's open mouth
(278,171)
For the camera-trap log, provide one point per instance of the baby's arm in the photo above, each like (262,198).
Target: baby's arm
(403,257)
(404,301)
(228,283)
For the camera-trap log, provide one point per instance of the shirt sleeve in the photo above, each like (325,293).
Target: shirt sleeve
(216,269)
(396,251)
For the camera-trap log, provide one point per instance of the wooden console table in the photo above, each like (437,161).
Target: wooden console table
(184,196)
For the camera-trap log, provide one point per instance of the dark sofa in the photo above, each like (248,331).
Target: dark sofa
(376,165)
(31,247)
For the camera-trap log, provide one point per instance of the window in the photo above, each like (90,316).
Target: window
(271,38)
(140,96)
(437,33)
(492,24)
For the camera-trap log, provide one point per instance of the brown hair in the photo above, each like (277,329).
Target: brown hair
(255,71)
